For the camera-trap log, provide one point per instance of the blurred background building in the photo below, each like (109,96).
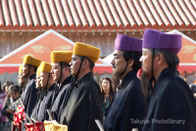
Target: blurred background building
(95,22)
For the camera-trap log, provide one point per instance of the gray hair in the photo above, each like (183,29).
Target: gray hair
(171,59)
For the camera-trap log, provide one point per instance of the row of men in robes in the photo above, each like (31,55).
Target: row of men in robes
(50,86)
(160,101)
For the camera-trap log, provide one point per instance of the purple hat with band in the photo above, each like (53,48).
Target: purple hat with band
(127,43)
(153,39)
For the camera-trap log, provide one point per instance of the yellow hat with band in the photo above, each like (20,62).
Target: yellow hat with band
(61,56)
(38,71)
(45,67)
(20,71)
(91,52)
(54,126)
(31,61)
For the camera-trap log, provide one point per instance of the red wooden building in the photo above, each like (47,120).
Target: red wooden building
(96,22)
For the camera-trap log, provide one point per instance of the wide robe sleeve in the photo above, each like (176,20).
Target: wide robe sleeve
(127,107)
(83,107)
(62,98)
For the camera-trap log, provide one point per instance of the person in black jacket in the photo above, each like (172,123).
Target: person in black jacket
(128,103)
(11,105)
(171,105)
(30,93)
(62,75)
(85,103)
(193,87)
(107,93)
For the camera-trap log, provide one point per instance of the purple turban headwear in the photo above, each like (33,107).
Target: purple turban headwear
(153,39)
(127,43)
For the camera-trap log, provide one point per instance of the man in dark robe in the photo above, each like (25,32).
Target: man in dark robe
(40,90)
(48,84)
(128,103)
(30,93)
(22,80)
(85,103)
(62,75)
(170,105)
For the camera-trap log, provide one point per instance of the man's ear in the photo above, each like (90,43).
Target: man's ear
(160,59)
(130,63)
(66,68)
(32,69)
(85,63)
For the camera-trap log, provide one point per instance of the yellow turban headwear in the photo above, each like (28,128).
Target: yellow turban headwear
(38,71)
(61,56)
(45,67)
(91,52)
(31,61)
(20,69)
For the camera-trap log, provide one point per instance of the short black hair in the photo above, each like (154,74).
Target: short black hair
(91,63)
(35,68)
(63,64)
(134,55)
(8,83)
(15,88)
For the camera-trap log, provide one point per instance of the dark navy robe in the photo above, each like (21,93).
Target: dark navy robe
(40,96)
(29,95)
(55,94)
(84,106)
(62,98)
(171,106)
(127,106)
(45,104)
